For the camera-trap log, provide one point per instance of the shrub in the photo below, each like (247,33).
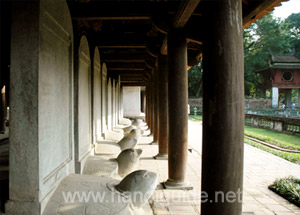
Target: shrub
(288,188)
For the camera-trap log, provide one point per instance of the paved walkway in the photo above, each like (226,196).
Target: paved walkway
(261,169)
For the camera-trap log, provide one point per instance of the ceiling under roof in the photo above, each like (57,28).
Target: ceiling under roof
(131,34)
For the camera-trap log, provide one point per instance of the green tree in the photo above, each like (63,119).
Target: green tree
(293,22)
(267,36)
(195,81)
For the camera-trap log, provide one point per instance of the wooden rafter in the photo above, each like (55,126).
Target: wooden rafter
(259,10)
(185,11)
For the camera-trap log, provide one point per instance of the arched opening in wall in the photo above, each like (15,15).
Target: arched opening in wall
(132,101)
(5,29)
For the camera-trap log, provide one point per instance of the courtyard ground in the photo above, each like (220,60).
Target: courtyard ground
(260,170)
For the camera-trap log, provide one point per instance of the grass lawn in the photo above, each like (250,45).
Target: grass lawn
(282,140)
(195,118)
(292,157)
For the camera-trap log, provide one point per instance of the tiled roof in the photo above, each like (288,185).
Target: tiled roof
(285,59)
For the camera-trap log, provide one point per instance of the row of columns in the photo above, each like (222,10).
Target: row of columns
(223,108)
(114,104)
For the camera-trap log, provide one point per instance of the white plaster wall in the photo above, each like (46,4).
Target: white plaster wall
(54,97)
(104,98)
(97,97)
(119,99)
(131,101)
(121,105)
(109,105)
(117,104)
(84,100)
(113,119)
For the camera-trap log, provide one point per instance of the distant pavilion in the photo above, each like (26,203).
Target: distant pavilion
(282,75)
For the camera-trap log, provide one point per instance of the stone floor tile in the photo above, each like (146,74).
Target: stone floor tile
(285,213)
(277,208)
(251,207)
(266,200)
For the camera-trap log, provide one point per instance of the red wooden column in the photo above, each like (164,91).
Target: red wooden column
(162,86)
(223,109)
(177,103)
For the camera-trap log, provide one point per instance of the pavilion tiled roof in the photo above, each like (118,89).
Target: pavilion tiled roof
(285,59)
(282,62)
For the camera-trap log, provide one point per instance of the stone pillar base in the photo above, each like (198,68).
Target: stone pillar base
(161,157)
(22,207)
(146,133)
(79,164)
(275,96)
(177,185)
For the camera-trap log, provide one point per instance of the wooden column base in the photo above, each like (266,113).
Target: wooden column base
(177,185)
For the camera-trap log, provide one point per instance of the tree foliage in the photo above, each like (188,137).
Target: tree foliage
(293,22)
(267,36)
(195,81)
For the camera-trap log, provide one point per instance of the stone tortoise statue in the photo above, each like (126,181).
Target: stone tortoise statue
(138,186)
(135,134)
(127,159)
(127,143)
(114,197)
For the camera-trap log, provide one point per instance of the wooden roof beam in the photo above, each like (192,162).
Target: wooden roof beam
(119,10)
(126,69)
(132,78)
(128,76)
(259,10)
(184,13)
(126,72)
(125,58)
(135,84)
(117,40)
(122,46)
(125,17)
(111,66)
(132,81)
(112,10)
